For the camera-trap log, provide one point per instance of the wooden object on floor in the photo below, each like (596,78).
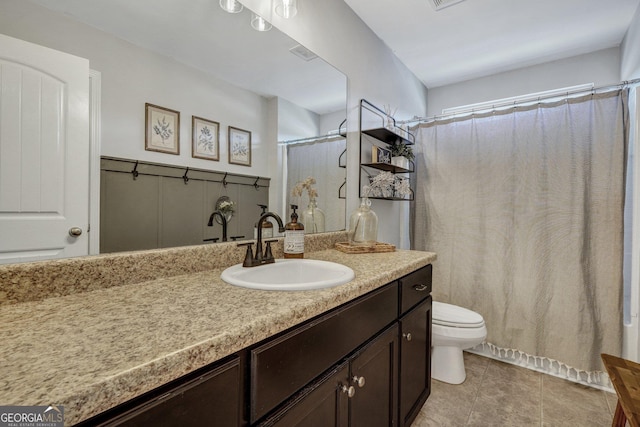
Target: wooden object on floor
(353,249)
(625,377)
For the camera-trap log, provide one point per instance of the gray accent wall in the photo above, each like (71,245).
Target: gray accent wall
(158,209)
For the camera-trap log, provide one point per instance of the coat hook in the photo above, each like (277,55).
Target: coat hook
(185,177)
(134,172)
(224,180)
(255,184)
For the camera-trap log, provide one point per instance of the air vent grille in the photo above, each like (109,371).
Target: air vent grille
(303,52)
(441,4)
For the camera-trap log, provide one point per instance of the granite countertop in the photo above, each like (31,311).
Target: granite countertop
(93,350)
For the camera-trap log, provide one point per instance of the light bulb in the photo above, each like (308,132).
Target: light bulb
(231,6)
(287,8)
(259,23)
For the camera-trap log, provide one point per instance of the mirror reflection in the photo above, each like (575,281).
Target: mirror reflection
(159,208)
(316,181)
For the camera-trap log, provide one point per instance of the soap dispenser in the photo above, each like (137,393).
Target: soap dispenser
(294,237)
(267,226)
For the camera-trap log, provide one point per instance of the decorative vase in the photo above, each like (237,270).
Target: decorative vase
(363,225)
(312,218)
(400,161)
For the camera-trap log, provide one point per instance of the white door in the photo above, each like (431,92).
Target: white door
(44,152)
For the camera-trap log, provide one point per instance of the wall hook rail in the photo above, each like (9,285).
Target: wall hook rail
(255,184)
(135,172)
(224,180)
(185,178)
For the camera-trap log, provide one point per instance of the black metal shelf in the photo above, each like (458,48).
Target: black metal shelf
(388,136)
(387,133)
(387,167)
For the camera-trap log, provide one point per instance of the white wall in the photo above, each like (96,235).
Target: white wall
(295,122)
(132,76)
(630,64)
(600,67)
(334,32)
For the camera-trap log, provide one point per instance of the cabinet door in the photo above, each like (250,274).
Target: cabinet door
(323,404)
(213,399)
(282,366)
(375,368)
(415,361)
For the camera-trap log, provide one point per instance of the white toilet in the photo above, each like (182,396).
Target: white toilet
(453,329)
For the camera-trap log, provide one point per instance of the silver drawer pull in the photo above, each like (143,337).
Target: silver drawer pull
(420,287)
(359,381)
(349,391)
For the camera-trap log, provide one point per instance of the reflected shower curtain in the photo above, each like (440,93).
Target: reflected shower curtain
(524,209)
(319,160)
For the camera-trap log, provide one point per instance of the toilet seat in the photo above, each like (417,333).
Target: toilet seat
(453,316)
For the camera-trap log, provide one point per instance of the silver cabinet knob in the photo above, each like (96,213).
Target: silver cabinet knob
(350,391)
(359,381)
(75,231)
(420,287)
(407,336)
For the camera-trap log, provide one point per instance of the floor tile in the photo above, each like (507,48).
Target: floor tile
(504,395)
(509,396)
(567,403)
(451,405)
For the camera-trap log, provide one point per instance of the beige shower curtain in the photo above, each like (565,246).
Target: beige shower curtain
(320,160)
(524,208)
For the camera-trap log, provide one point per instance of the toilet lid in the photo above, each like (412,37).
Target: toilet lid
(452,315)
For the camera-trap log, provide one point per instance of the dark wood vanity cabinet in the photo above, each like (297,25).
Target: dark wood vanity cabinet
(365,363)
(415,361)
(415,343)
(212,397)
(283,365)
(359,391)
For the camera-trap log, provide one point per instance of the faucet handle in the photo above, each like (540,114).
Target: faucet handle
(248,257)
(268,256)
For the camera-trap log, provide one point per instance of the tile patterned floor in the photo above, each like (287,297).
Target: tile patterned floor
(500,394)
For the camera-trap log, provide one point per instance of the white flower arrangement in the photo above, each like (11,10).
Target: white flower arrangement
(386,184)
(226,206)
(402,187)
(301,186)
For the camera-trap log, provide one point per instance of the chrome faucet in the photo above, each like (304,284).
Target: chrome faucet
(260,258)
(224,223)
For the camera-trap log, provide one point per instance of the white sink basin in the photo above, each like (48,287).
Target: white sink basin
(289,275)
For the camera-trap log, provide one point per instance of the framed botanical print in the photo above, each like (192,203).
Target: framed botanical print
(205,142)
(239,146)
(162,129)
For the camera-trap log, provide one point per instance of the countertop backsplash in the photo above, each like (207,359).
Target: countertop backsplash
(37,281)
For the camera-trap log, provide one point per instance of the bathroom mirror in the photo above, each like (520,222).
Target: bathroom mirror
(284,70)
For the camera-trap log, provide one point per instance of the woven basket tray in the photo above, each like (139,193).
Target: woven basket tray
(351,249)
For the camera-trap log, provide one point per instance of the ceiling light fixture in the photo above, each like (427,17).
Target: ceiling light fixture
(286,8)
(231,6)
(259,23)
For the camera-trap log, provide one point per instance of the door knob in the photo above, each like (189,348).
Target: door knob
(75,231)
(407,336)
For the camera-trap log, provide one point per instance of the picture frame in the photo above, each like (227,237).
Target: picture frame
(239,146)
(162,129)
(205,139)
(380,155)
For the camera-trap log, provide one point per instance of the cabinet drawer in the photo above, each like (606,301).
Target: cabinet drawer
(285,364)
(415,287)
(213,399)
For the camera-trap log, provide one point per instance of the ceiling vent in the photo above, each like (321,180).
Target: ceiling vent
(302,52)
(441,4)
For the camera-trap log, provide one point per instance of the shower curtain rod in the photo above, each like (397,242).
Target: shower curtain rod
(523,101)
(322,138)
